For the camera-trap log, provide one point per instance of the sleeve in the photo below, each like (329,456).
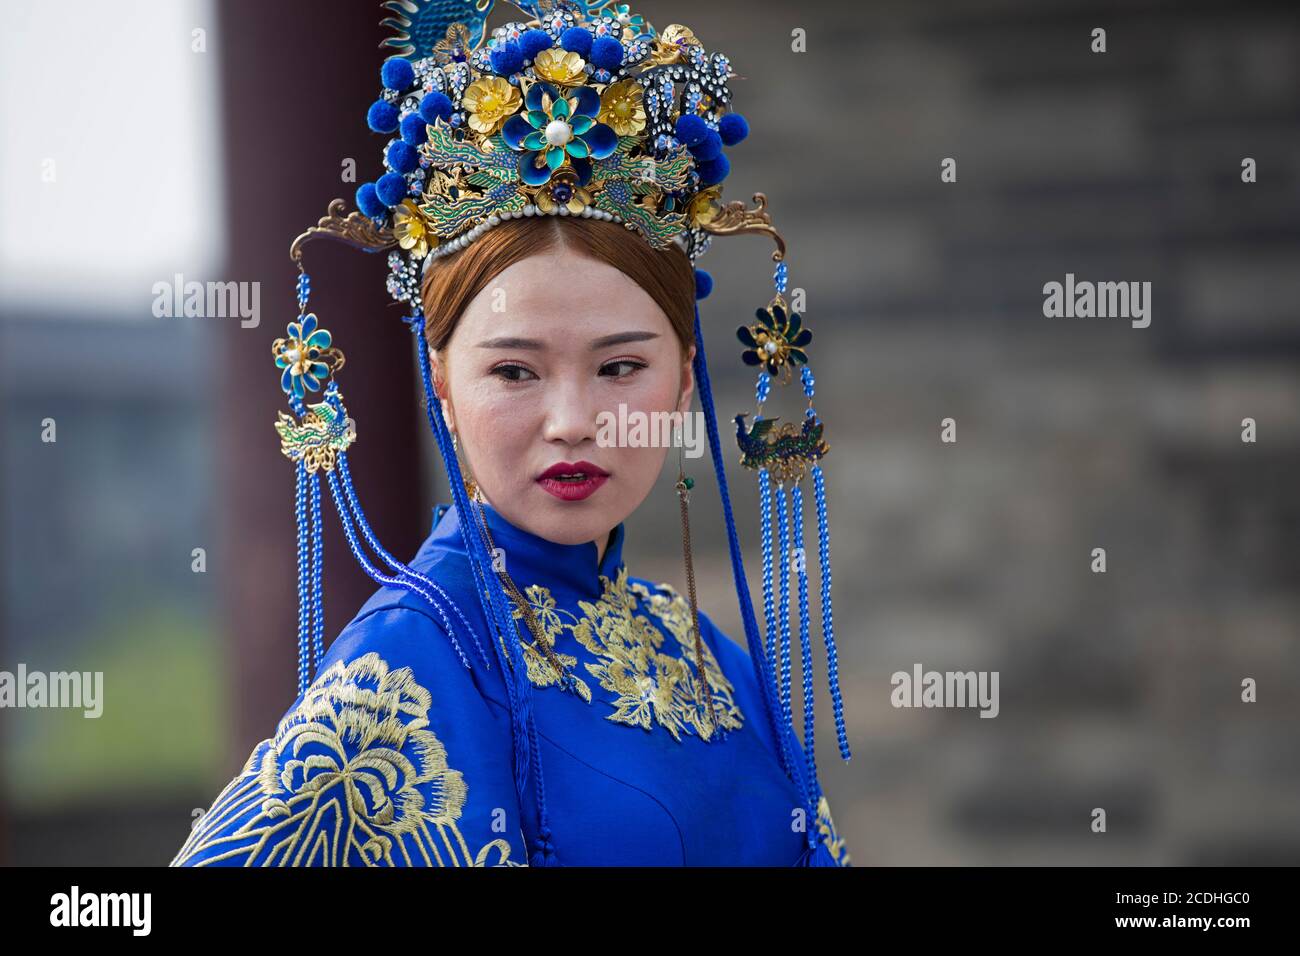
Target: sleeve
(391,758)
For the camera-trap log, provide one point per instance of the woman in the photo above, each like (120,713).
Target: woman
(512,695)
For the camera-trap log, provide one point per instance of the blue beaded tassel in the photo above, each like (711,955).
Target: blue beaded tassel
(316,439)
(786,454)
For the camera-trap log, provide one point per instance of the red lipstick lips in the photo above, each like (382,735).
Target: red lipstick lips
(572,482)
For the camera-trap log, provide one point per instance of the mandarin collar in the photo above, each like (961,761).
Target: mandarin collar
(531,559)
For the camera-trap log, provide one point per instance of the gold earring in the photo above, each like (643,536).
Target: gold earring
(471,486)
(683,487)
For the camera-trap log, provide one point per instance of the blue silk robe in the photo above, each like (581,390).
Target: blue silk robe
(398,754)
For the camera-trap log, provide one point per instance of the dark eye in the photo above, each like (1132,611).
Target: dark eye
(621,368)
(511,372)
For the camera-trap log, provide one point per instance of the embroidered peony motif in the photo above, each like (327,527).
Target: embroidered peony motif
(352,777)
(651,684)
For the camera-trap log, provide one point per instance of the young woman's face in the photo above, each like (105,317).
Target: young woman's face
(554,341)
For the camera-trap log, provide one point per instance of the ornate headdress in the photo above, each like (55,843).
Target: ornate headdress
(583,110)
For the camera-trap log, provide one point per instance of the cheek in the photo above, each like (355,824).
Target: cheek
(491,422)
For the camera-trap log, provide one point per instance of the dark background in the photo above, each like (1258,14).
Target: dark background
(1119,690)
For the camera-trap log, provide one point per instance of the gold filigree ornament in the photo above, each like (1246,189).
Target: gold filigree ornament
(652,685)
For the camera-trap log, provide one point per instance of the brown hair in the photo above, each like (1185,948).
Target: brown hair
(666,275)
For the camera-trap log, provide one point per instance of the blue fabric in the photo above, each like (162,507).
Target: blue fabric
(398,754)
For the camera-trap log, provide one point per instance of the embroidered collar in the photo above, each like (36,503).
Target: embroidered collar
(531,559)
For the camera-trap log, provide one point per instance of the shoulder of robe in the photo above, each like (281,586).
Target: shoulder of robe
(391,757)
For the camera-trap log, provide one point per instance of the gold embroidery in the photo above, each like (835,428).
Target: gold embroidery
(651,685)
(826,827)
(352,775)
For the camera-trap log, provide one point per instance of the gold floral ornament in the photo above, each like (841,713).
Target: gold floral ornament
(651,685)
(412,230)
(704,206)
(622,106)
(490,101)
(562,67)
(353,776)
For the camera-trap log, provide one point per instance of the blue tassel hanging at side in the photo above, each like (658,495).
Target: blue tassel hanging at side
(316,438)
(787,454)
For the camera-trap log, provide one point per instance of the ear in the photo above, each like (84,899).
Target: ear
(688,382)
(441,389)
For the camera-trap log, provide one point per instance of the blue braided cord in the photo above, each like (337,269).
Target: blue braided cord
(300,514)
(809,383)
(317,561)
(762,387)
(765,530)
(752,638)
(783,615)
(805,645)
(404,572)
(780,275)
(493,598)
(346,519)
(828,620)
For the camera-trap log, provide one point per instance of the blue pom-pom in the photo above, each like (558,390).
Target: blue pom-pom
(713,170)
(733,128)
(691,129)
(403,157)
(507,59)
(708,148)
(606,53)
(382,116)
(533,42)
(435,106)
(369,203)
(414,130)
(391,188)
(576,40)
(703,284)
(397,73)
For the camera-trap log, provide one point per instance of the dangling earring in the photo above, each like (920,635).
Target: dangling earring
(683,488)
(471,486)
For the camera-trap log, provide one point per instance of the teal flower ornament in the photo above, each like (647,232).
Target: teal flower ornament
(776,339)
(305,356)
(553,128)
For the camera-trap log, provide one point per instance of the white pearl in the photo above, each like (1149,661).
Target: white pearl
(494,220)
(563,210)
(771,348)
(558,132)
(293,355)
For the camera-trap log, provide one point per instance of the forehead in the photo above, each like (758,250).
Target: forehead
(561,293)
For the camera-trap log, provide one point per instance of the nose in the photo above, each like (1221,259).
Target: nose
(570,417)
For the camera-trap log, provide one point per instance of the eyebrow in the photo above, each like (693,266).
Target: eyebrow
(618,338)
